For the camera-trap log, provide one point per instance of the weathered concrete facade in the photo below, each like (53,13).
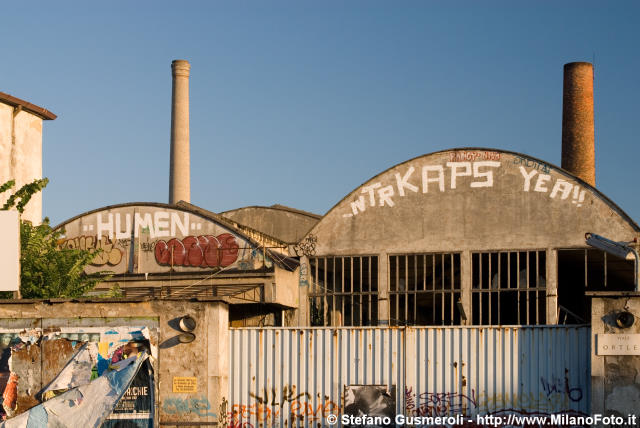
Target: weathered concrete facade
(184,251)
(467,203)
(21,148)
(615,373)
(202,361)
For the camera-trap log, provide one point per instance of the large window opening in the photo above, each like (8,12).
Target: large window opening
(508,288)
(344,291)
(582,270)
(424,289)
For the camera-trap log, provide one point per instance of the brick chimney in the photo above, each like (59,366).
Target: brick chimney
(578,150)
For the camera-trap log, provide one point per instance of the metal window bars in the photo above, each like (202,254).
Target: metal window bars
(344,291)
(424,289)
(508,288)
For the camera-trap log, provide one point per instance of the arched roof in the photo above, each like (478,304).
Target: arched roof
(108,227)
(499,185)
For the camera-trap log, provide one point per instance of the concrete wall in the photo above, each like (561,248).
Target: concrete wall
(460,200)
(465,200)
(615,379)
(204,359)
(156,238)
(21,154)
(286,224)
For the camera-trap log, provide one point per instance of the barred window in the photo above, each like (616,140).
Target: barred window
(424,289)
(508,287)
(344,291)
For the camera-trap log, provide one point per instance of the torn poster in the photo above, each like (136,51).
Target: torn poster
(86,405)
(77,371)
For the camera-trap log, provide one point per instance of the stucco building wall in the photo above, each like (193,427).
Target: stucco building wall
(21,148)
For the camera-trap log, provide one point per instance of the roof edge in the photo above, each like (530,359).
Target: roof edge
(41,112)
(277,207)
(240,229)
(604,197)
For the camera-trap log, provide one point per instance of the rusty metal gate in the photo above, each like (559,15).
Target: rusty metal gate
(300,376)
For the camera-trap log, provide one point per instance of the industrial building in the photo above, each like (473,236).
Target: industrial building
(21,147)
(465,236)
(456,282)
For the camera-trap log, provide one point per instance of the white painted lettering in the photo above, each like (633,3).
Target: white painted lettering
(566,189)
(488,174)
(144,223)
(104,226)
(385,194)
(161,220)
(426,180)
(120,234)
(540,183)
(370,189)
(183,226)
(527,178)
(455,166)
(359,205)
(403,182)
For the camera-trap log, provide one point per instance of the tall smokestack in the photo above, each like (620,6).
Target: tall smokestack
(578,150)
(179,173)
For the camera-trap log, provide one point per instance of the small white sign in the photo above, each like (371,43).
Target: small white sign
(618,344)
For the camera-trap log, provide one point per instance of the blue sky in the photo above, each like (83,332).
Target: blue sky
(299,102)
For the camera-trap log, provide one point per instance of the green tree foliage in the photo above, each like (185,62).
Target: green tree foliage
(48,271)
(23,195)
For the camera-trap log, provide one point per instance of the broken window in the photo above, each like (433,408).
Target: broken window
(508,288)
(344,291)
(424,289)
(581,270)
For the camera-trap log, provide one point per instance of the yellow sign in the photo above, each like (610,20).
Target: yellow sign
(185,384)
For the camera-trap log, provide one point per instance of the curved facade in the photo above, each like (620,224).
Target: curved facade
(464,236)
(181,250)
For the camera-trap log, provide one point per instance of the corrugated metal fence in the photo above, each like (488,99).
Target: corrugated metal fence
(297,377)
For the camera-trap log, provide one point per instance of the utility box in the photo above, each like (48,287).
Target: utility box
(10,251)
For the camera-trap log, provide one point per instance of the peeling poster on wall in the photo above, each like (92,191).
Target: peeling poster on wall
(135,408)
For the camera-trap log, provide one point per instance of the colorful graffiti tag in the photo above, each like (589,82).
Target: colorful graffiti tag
(198,406)
(202,251)
(153,239)
(108,254)
(270,405)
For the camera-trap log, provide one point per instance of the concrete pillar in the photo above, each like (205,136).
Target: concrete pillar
(179,174)
(552,286)
(217,316)
(615,355)
(306,282)
(578,151)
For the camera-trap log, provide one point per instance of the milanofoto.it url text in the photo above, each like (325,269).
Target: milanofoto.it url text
(511,420)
